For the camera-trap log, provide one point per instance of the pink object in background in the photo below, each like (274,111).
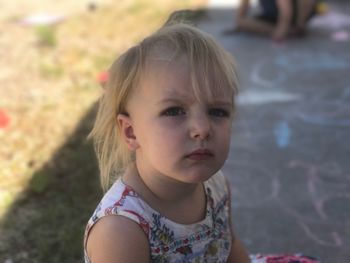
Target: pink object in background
(298,258)
(4,119)
(340,36)
(102,78)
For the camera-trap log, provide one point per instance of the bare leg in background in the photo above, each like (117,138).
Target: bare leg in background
(249,24)
(305,9)
(282,28)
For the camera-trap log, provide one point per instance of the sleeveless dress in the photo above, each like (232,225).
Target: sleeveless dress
(206,241)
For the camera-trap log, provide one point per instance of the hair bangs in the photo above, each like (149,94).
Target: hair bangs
(212,69)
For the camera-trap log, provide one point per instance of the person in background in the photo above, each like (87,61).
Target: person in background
(278,19)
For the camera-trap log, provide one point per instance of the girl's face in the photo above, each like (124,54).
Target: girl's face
(175,134)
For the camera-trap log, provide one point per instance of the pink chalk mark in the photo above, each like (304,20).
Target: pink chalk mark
(4,119)
(340,36)
(336,242)
(103,77)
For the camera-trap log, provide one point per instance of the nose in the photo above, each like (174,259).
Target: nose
(200,126)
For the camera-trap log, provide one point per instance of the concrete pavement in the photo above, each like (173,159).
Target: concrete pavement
(289,165)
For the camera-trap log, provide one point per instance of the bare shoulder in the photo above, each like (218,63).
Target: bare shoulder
(117,239)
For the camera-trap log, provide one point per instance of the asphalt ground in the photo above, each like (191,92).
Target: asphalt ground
(289,165)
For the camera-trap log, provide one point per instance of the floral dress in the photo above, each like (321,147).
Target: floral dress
(206,241)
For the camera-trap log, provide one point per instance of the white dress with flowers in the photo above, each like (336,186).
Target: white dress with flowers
(206,241)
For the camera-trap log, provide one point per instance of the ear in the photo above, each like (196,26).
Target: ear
(127,131)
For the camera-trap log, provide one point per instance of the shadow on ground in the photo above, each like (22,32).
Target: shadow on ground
(47,225)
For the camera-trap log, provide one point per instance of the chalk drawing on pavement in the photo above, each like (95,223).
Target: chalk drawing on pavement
(263,96)
(326,113)
(282,134)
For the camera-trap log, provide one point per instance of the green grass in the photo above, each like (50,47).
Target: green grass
(46,221)
(46,35)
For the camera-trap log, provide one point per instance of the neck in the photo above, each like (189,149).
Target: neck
(160,188)
(183,203)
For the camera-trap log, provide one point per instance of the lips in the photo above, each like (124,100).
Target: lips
(200,154)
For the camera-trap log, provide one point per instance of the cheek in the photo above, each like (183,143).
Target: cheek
(166,138)
(170,137)
(224,135)
(169,127)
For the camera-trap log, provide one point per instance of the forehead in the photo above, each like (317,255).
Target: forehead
(174,76)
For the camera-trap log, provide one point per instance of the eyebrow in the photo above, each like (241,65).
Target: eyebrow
(175,98)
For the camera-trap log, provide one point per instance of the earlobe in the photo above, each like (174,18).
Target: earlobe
(127,131)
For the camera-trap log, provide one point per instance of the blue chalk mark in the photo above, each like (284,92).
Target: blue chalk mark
(312,62)
(282,134)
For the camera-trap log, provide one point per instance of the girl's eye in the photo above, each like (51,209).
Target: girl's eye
(173,111)
(219,112)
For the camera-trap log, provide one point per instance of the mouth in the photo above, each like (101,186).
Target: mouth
(200,154)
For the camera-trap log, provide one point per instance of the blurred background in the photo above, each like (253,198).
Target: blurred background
(290,149)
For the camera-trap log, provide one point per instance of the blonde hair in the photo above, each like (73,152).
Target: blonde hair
(211,69)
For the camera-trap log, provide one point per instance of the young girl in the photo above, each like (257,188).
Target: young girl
(163,127)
